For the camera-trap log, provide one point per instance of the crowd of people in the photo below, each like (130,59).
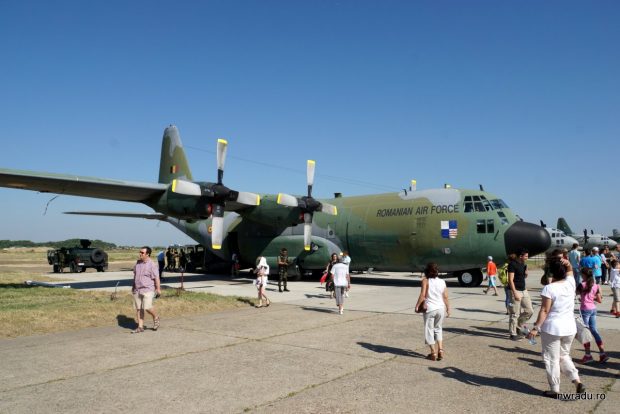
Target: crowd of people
(567,276)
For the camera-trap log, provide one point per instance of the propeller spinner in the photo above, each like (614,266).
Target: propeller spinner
(215,195)
(308,205)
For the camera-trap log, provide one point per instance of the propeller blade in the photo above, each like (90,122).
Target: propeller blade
(222,146)
(310,175)
(217,226)
(249,199)
(287,200)
(186,188)
(307,231)
(329,209)
(217,232)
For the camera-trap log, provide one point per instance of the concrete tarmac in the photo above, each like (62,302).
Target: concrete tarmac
(299,355)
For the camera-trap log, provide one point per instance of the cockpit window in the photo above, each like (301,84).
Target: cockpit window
(479,203)
(498,203)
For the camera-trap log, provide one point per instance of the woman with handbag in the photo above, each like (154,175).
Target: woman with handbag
(433,301)
(329,283)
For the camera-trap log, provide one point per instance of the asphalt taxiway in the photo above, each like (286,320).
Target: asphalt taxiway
(298,355)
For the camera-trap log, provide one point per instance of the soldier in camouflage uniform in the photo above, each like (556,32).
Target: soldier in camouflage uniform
(283,262)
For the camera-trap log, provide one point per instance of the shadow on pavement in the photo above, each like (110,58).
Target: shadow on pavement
(382,349)
(126,322)
(481,311)
(309,308)
(516,349)
(461,331)
(480,380)
(593,369)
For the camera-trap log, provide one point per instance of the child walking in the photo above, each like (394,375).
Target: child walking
(590,293)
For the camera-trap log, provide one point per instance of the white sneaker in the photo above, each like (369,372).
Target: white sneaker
(346,294)
(341,311)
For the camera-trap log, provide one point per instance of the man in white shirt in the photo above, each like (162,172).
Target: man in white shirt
(342,283)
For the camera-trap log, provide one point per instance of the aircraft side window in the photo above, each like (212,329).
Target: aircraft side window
(476,198)
(479,206)
(467,198)
(481,226)
(490,226)
(502,218)
(469,207)
(487,205)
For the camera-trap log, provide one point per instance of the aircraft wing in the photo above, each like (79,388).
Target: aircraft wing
(149,216)
(80,186)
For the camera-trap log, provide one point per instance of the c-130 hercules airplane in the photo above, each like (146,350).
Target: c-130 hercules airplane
(401,231)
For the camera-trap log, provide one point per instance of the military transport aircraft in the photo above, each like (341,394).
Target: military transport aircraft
(559,240)
(402,231)
(587,241)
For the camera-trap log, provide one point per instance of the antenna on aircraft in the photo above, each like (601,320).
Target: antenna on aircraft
(481,187)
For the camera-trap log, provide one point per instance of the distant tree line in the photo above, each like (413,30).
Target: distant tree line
(55,244)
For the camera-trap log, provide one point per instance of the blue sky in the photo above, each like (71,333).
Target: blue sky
(520,96)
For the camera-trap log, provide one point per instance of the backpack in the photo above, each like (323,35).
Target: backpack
(502,274)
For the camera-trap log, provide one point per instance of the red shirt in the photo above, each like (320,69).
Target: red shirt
(491,269)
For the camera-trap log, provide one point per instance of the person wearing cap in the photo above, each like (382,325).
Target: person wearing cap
(491,275)
(597,270)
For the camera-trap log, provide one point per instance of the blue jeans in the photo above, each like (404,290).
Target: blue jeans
(589,318)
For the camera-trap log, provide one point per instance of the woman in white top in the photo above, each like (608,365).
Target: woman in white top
(434,297)
(262,275)
(556,324)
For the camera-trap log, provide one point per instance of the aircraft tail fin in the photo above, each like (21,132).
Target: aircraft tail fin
(616,233)
(173,162)
(563,225)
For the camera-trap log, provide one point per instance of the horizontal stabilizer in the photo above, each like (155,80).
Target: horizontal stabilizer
(149,216)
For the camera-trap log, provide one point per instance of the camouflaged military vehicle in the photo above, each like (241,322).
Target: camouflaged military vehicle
(78,258)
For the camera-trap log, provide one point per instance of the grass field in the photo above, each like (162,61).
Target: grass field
(26,310)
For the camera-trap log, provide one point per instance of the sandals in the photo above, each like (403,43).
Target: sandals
(139,329)
(432,357)
(440,355)
(268,303)
(156,323)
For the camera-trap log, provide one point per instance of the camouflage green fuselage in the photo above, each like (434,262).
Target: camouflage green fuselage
(457,229)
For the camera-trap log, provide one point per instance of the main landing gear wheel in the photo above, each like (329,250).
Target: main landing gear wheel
(470,278)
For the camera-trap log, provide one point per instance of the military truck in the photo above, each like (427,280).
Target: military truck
(78,258)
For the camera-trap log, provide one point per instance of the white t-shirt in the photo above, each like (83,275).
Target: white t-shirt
(614,278)
(560,320)
(347,260)
(340,272)
(434,297)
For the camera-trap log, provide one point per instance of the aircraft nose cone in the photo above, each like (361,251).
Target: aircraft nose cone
(521,235)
